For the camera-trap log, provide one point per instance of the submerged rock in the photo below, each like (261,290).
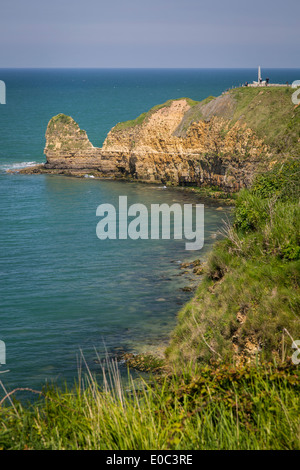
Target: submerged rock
(198,271)
(143,362)
(188,288)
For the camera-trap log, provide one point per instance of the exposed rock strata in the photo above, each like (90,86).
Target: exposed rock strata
(169,144)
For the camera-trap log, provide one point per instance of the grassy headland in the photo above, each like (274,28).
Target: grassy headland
(250,294)
(269,112)
(144,116)
(228,381)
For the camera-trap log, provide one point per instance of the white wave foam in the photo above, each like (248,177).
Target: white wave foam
(13,166)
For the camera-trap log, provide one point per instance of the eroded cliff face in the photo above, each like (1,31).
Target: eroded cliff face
(178,142)
(68,147)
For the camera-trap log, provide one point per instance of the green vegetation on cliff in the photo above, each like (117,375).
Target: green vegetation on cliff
(268,111)
(222,141)
(64,134)
(61,119)
(251,292)
(140,119)
(271,113)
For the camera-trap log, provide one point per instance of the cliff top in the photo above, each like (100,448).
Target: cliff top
(144,117)
(269,112)
(64,134)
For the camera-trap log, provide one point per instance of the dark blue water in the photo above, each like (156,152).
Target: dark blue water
(63,290)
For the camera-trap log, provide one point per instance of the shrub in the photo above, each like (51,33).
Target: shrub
(283,182)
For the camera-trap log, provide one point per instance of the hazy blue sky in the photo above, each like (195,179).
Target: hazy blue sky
(152,33)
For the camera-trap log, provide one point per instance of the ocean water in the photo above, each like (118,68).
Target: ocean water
(63,292)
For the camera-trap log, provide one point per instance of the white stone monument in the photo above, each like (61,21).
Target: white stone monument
(259,82)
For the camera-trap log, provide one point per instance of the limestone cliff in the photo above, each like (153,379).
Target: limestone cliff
(68,147)
(219,141)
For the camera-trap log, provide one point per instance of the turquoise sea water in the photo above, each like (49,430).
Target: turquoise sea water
(63,290)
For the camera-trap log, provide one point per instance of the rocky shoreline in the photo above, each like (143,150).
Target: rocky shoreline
(152,358)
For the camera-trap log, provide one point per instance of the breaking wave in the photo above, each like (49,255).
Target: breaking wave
(13,166)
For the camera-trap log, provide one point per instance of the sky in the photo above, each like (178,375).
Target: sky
(152,33)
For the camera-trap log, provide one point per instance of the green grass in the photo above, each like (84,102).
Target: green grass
(60,119)
(253,274)
(144,116)
(211,192)
(64,129)
(224,407)
(271,114)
